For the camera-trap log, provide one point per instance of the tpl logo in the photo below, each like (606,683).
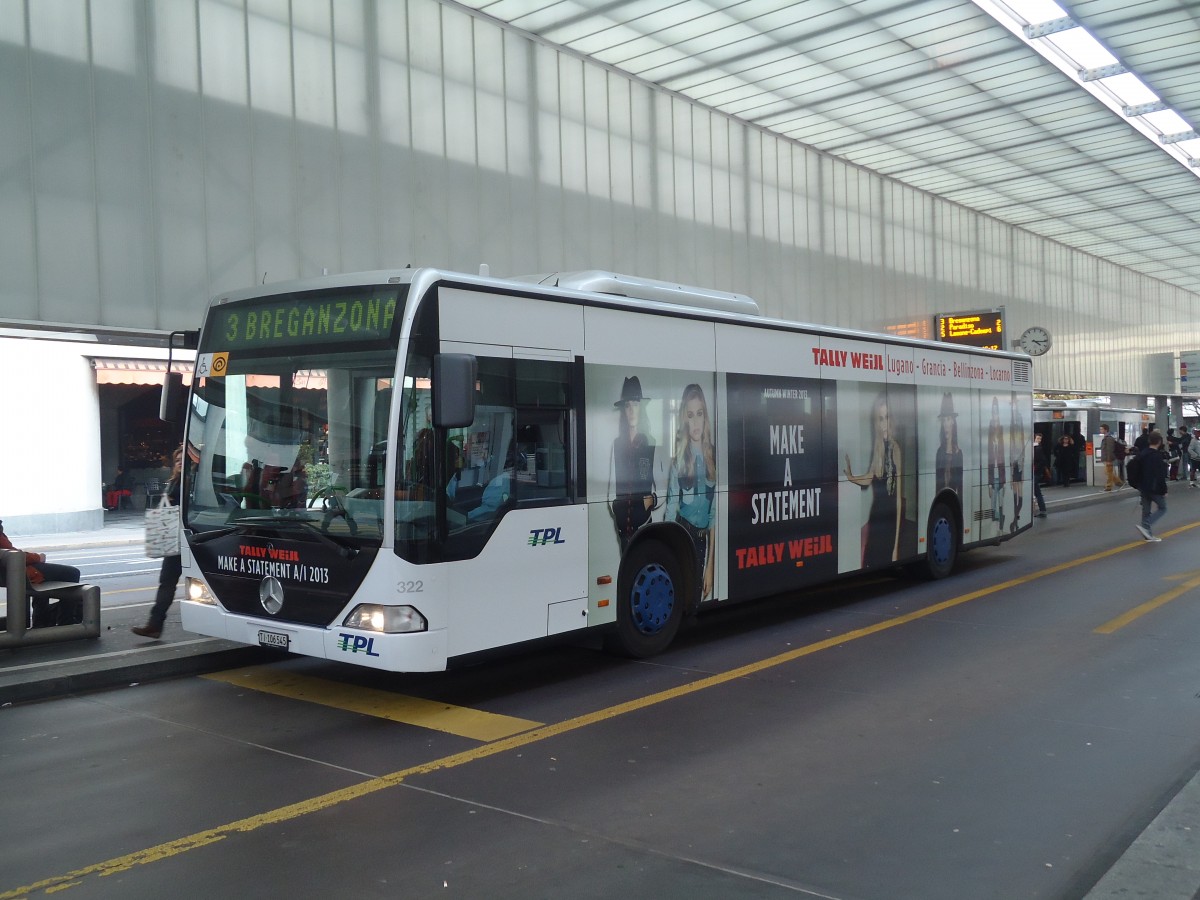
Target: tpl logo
(356,643)
(539,537)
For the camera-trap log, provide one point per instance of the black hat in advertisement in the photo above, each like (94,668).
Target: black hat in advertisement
(630,390)
(947,407)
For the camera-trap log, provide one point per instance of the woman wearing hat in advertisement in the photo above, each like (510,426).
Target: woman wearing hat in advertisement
(631,469)
(949,453)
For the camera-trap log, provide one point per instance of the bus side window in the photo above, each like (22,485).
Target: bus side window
(543,400)
(515,452)
(541,472)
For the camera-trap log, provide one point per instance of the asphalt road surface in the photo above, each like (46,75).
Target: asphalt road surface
(1006,733)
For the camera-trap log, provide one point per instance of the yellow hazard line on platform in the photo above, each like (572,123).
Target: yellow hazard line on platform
(459,720)
(524,739)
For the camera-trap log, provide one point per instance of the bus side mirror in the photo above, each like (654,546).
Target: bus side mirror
(168,400)
(172,389)
(454,377)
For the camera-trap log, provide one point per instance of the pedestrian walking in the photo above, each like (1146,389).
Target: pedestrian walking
(1148,473)
(172,566)
(1041,466)
(1193,457)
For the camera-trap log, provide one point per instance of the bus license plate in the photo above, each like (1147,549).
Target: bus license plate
(274,639)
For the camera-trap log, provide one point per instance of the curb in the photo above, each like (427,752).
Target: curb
(51,546)
(181,662)
(1099,496)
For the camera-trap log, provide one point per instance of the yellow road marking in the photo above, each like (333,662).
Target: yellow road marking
(469,723)
(517,741)
(1149,606)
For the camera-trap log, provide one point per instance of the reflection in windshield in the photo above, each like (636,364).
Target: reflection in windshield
(292,440)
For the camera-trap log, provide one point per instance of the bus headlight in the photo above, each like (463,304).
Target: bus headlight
(197,590)
(386,619)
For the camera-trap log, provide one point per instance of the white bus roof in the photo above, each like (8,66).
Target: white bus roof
(594,281)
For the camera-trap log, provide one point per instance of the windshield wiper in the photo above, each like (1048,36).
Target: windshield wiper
(345,548)
(214,534)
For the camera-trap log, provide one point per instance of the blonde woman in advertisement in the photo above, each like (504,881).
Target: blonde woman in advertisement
(692,482)
(881,546)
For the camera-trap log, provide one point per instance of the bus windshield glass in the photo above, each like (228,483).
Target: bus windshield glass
(290,436)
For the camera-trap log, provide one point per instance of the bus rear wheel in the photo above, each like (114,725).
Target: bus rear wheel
(650,601)
(941,541)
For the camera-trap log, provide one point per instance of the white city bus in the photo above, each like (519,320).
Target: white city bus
(398,469)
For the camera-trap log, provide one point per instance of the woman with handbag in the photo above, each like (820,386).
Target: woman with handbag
(172,564)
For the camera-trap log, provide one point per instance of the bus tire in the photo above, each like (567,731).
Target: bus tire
(941,539)
(650,601)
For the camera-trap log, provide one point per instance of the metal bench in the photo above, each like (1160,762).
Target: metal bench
(19,594)
(154,492)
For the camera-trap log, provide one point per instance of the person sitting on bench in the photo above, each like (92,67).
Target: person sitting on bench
(37,571)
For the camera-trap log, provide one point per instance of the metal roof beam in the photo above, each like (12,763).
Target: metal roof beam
(1102,72)
(1189,135)
(1143,108)
(1053,26)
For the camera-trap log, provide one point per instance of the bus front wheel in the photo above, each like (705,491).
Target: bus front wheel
(650,601)
(941,541)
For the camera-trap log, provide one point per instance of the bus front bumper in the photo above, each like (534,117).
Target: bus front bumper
(423,651)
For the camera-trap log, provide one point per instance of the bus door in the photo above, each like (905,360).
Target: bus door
(515,542)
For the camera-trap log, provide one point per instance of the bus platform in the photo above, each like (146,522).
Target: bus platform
(119,657)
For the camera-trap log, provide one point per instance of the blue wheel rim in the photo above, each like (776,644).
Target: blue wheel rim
(651,599)
(941,542)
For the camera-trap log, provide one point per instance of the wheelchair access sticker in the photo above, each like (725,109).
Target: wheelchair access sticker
(212,365)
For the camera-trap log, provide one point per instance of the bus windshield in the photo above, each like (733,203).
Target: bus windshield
(298,439)
(289,415)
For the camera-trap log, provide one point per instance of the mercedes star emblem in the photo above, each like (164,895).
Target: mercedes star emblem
(270,594)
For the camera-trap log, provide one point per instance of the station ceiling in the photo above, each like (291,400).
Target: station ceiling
(936,94)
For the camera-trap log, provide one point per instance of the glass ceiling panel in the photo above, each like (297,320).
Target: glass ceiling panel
(933,93)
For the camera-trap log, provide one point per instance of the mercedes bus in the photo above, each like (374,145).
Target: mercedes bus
(400,469)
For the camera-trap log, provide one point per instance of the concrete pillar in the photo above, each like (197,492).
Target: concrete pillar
(1161,406)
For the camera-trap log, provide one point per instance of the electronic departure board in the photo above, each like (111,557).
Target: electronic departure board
(981,328)
(315,318)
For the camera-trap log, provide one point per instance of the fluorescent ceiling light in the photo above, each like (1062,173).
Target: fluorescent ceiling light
(1061,40)
(1129,89)
(1168,121)
(1036,10)
(1081,48)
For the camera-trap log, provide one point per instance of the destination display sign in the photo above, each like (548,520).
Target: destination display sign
(982,328)
(324,317)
